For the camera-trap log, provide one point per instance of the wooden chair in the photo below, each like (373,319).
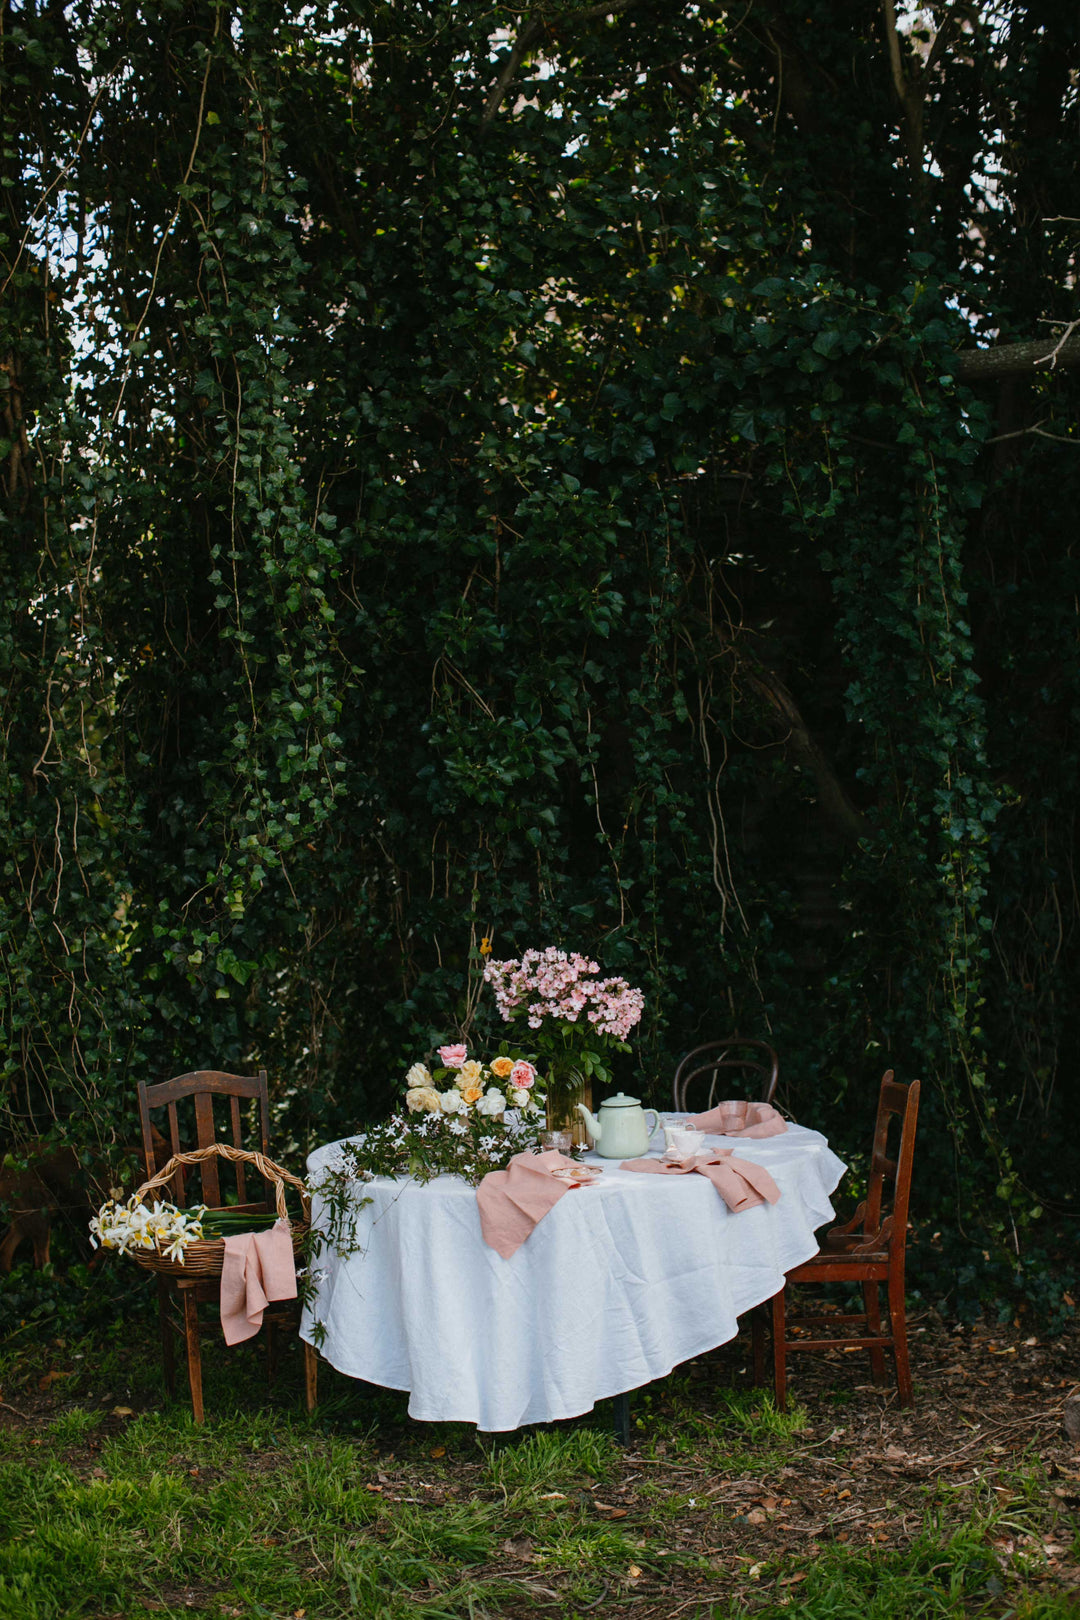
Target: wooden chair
(869,1249)
(751,1062)
(202,1087)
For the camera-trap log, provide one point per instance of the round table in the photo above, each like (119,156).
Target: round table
(621,1280)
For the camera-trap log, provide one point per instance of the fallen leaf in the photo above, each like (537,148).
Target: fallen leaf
(754,1571)
(790,1580)
(50,1378)
(553,1496)
(634,1572)
(437,1451)
(756,1516)
(125,1411)
(612,1512)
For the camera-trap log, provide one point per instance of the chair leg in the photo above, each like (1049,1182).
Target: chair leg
(194,1353)
(311,1375)
(872,1301)
(899,1332)
(779,1348)
(168,1357)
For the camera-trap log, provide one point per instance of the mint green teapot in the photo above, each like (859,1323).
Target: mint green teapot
(622,1131)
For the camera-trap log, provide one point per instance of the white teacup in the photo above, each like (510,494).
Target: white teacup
(682,1141)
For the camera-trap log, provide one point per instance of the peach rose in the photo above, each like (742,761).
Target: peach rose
(472,1094)
(501,1067)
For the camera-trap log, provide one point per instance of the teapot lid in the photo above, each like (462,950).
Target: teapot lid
(621,1100)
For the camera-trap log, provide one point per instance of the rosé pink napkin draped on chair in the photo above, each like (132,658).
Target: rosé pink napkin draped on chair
(258,1267)
(513,1200)
(741,1185)
(739,1118)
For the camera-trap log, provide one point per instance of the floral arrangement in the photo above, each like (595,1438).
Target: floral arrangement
(136,1225)
(164,1227)
(462,1117)
(505,1083)
(569,1006)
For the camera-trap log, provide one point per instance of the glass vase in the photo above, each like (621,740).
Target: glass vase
(566,1087)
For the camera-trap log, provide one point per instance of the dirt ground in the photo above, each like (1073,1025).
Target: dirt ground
(995,1432)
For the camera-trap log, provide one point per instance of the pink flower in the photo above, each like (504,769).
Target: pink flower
(522,1076)
(453,1057)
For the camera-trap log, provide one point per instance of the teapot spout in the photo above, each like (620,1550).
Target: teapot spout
(592,1125)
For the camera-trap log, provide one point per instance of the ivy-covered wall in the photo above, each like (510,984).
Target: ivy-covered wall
(471,474)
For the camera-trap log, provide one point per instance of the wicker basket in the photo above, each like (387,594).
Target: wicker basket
(205,1257)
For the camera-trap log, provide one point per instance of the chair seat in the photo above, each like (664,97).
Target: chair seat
(833,1268)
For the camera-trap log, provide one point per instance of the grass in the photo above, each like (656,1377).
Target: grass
(114,1506)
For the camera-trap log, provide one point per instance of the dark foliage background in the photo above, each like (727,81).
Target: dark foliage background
(472,473)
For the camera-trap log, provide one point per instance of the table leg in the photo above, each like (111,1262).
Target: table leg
(621,1419)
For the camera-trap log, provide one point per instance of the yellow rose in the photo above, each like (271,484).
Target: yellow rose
(422,1100)
(472,1094)
(469,1075)
(501,1066)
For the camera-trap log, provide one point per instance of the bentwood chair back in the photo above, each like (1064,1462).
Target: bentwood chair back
(191,1102)
(706,1073)
(869,1249)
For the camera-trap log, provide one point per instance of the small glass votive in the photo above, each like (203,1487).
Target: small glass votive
(556,1141)
(683,1141)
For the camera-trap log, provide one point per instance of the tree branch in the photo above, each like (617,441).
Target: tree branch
(802,748)
(1015,359)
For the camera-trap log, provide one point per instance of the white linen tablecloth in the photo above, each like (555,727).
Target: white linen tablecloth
(620,1282)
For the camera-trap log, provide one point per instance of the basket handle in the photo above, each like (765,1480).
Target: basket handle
(267,1169)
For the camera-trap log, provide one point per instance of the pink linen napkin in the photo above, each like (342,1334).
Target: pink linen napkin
(741,1185)
(513,1201)
(258,1267)
(740,1119)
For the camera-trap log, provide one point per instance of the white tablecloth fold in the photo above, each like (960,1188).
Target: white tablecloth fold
(620,1282)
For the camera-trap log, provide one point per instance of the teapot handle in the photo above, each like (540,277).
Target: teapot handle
(655,1123)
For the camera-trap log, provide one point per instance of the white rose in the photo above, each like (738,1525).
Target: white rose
(492,1103)
(418,1076)
(520,1098)
(453,1102)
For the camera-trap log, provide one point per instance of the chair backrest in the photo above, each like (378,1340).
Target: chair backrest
(752,1063)
(889,1184)
(203,1087)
